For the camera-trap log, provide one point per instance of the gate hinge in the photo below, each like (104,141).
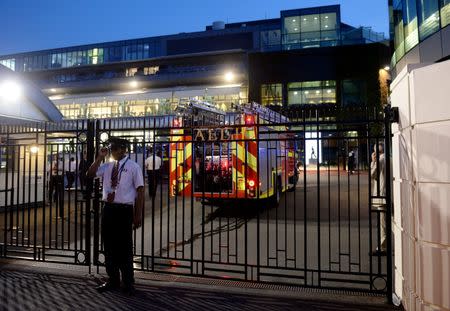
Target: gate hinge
(392,114)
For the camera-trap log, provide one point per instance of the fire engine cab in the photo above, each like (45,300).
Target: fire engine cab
(247,154)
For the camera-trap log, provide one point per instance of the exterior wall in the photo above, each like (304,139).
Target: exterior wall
(421,171)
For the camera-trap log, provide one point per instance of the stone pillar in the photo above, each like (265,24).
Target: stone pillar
(421,172)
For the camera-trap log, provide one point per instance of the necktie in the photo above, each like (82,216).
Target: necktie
(115,175)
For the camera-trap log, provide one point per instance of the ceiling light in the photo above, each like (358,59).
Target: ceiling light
(53,90)
(295,29)
(295,93)
(326,26)
(293,20)
(328,91)
(305,19)
(306,92)
(315,18)
(317,92)
(326,16)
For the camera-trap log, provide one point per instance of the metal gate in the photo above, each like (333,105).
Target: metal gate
(231,216)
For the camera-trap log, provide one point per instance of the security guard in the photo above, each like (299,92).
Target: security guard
(123,194)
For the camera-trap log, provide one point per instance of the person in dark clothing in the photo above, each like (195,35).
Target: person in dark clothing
(82,170)
(123,194)
(153,165)
(56,184)
(71,172)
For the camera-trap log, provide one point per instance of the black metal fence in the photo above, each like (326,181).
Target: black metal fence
(303,201)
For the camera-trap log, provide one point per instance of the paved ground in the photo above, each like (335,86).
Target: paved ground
(26,286)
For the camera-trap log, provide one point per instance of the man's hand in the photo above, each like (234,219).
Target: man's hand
(137,220)
(374,157)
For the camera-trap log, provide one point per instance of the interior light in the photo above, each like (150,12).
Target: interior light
(295,29)
(326,26)
(229,76)
(10,90)
(293,20)
(317,92)
(315,18)
(306,92)
(295,93)
(251,183)
(53,90)
(305,19)
(326,16)
(328,91)
(34,149)
(387,68)
(133,83)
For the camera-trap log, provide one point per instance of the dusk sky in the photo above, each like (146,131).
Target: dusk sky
(30,25)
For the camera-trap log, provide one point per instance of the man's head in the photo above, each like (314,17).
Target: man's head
(380,148)
(118,147)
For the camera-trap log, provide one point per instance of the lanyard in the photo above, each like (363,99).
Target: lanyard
(120,171)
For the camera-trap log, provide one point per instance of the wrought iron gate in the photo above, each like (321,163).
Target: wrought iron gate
(296,203)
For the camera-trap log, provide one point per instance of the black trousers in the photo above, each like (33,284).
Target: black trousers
(70,179)
(117,220)
(56,192)
(152,179)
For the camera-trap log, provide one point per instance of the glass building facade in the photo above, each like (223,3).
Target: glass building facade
(414,21)
(295,29)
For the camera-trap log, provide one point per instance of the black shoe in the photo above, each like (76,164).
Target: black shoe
(108,286)
(128,290)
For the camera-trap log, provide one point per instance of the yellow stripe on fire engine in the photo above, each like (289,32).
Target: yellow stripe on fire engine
(251,159)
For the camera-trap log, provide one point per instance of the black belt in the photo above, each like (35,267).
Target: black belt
(118,205)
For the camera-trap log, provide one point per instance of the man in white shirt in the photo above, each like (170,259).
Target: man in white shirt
(378,178)
(153,166)
(123,194)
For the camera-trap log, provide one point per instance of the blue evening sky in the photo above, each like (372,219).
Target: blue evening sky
(30,25)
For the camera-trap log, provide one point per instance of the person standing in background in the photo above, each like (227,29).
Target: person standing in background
(153,166)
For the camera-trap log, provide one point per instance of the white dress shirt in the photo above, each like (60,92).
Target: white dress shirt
(149,163)
(130,178)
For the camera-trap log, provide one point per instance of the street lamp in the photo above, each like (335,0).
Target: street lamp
(229,76)
(10,90)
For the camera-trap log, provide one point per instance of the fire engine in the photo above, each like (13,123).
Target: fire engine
(247,154)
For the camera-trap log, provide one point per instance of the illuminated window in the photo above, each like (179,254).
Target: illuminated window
(428,17)
(410,24)
(130,72)
(272,94)
(312,92)
(445,13)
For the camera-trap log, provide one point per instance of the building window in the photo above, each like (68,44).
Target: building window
(353,93)
(130,72)
(312,30)
(270,40)
(428,17)
(410,24)
(312,92)
(445,13)
(10,63)
(272,94)
(151,70)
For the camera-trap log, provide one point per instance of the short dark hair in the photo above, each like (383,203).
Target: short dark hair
(118,142)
